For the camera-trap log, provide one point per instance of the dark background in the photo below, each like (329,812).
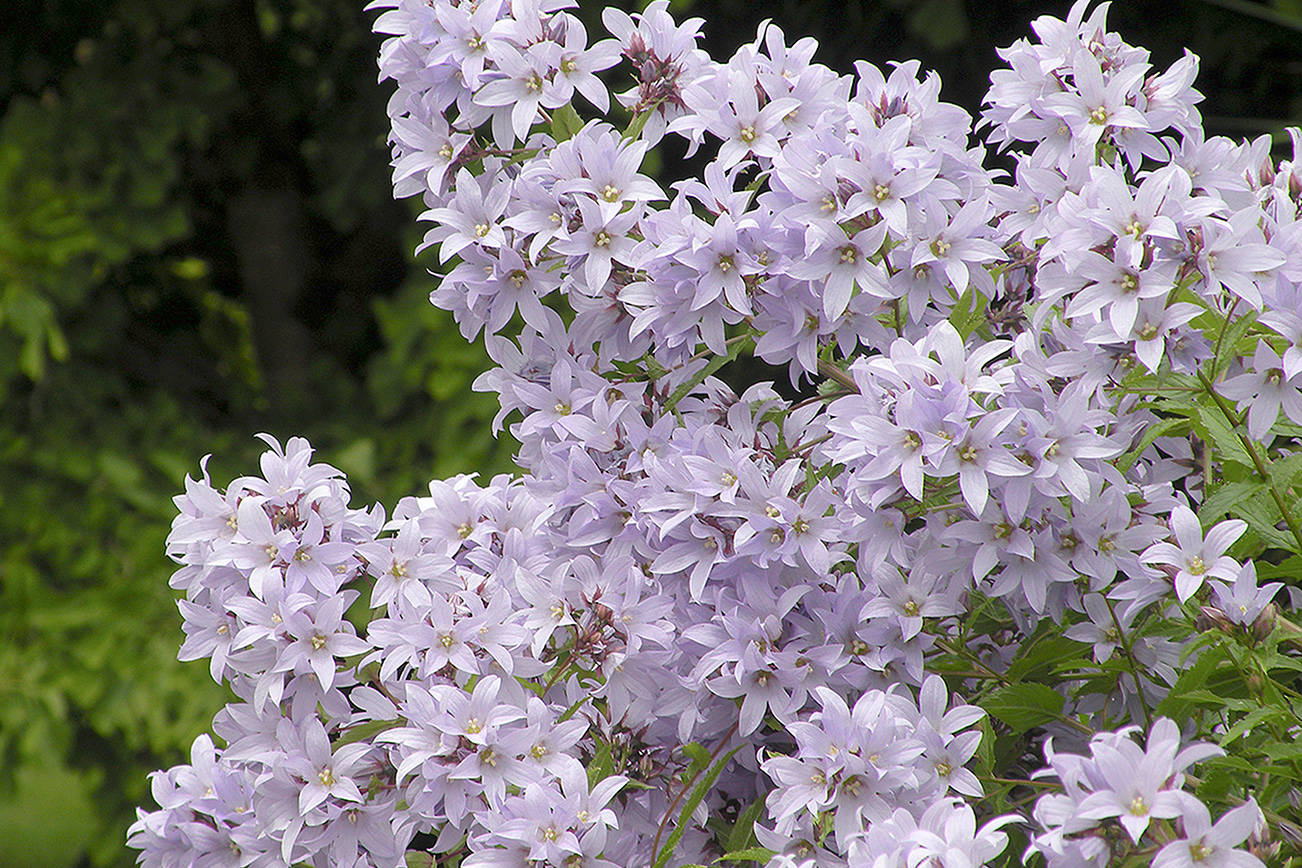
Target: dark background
(197,243)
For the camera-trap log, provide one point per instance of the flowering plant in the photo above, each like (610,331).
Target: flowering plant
(1000,569)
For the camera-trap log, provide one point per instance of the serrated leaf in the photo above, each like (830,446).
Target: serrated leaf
(1040,657)
(1228,345)
(602,764)
(1024,706)
(1215,430)
(1225,498)
(969,312)
(1262,515)
(1191,686)
(1283,751)
(1253,718)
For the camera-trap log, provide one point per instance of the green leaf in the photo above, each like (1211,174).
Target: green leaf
(969,313)
(1262,516)
(565,122)
(1180,702)
(370,729)
(1038,658)
(750,854)
(1154,431)
(636,125)
(743,831)
(713,365)
(699,756)
(698,795)
(1228,345)
(419,859)
(602,764)
(1024,706)
(1252,719)
(1215,430)
(1226,498)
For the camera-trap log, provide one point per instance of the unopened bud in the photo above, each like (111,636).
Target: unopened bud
(1265,623)
(1291,831)
(1210,617)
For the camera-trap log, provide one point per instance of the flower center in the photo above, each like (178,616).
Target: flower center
(1138,807)
(1099,115)
(610,193)
(747,134)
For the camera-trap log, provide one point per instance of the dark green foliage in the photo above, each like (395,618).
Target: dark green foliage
(197,243)
(142,325)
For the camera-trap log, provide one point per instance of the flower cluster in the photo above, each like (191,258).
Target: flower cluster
(1123,784)
(696,603)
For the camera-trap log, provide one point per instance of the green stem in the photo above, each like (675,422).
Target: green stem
(1130,656)
(1220,338)
(660,830)
(1262,470)
(832,372)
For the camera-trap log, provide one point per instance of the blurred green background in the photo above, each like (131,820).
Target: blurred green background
(197,243)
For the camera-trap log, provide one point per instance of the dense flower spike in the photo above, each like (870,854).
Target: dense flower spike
(697,604)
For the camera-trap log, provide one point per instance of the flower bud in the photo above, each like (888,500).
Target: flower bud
(1265,623)
(1210,617)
